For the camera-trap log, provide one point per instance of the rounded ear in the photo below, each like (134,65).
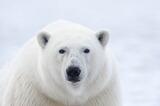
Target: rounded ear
(43,39)
(103,37)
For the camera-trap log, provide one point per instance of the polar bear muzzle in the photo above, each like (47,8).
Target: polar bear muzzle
(73,74)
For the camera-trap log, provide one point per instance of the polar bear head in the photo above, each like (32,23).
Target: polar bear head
(71,58)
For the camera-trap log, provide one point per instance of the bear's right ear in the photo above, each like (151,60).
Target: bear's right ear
(43,39)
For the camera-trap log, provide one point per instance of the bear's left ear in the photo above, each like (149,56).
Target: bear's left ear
(43,39)
(103,37)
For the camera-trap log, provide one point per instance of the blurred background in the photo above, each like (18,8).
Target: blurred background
(135,37)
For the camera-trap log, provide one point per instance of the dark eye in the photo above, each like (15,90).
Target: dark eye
(86,50)
(62,51)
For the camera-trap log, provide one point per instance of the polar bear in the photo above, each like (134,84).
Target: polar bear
(65,64)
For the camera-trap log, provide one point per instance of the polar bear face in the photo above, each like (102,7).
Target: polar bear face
(71,59)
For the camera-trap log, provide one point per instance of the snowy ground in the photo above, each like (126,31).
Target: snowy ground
(135,37)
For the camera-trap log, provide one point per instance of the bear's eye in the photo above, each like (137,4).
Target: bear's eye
(62,51)
(86,51)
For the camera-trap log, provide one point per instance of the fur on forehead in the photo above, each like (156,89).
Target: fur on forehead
(62,26)
(63,29)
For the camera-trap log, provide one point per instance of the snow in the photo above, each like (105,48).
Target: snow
(135,37)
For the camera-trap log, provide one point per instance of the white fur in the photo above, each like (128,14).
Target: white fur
(39,77)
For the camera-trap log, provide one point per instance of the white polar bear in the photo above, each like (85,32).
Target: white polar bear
(66,64)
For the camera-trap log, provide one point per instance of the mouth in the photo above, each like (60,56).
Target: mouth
(74,85)
(73,79)
(75,82)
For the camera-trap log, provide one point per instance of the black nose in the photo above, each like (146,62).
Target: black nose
(73,73)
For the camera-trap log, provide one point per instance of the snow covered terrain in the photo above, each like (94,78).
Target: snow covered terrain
(135,37)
